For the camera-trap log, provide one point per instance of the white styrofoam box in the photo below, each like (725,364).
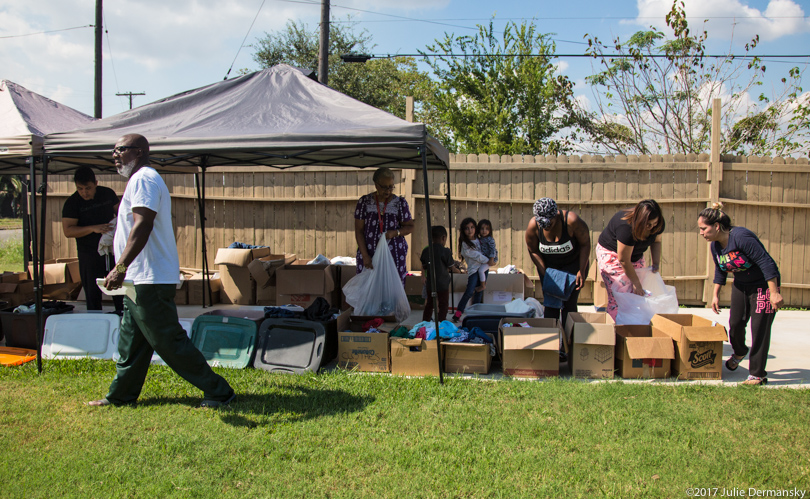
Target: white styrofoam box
(76,336)
(186,323)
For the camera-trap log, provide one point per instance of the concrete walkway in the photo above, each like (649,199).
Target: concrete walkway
(11,235)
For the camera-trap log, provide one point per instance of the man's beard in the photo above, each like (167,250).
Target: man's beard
(126,169)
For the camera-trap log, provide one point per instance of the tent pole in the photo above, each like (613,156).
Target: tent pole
(35,258)
(433,294)
(204,249)
(26,223)
(450,237)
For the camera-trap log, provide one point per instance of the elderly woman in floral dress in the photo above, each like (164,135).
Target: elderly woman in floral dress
(378,212)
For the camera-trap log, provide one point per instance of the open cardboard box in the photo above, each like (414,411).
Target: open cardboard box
(61,278)
(196,287)
(501,288)
(698,344)
(367,352)
(414,357)
(238,286)
(640,355)
(530,352)
(467,358)
(300,284)
(592,337)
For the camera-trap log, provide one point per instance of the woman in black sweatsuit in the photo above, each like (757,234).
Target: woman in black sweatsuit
(755,294)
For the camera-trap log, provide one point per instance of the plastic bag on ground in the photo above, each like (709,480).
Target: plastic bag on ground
(378,291)
(634,309)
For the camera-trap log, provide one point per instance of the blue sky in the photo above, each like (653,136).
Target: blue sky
(165,47)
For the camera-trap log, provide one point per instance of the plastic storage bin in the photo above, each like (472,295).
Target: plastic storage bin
(76,336)
(484,309)
(227,338)
(20,330)
(290,345)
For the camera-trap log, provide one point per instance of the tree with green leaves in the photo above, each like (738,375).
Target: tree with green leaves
(382,83)
(11,196)
(498,93)
(654,96)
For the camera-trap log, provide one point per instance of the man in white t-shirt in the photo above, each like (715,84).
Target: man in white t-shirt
(147,255)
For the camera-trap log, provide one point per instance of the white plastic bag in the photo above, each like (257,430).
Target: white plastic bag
(634,309)
(378,291)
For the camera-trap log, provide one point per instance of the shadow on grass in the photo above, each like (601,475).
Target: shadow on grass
(292,404)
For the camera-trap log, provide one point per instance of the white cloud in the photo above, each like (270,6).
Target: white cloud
(731,18)
(561,66)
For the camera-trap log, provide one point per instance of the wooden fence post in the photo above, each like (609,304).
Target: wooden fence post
(714,176)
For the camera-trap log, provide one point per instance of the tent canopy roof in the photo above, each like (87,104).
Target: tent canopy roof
(276,117)
(26,117)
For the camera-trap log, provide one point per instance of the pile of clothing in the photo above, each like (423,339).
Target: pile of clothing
(49,307)
(319,311)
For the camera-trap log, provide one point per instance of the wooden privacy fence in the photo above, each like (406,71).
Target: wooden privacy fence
(310,211)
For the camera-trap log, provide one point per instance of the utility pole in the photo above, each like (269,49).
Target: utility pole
(323,52)
(99,32)
(130,94)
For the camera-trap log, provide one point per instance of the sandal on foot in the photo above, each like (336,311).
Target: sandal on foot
(733,362)
(755,381)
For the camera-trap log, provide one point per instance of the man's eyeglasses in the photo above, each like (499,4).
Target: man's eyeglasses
(385,187)
(121,149)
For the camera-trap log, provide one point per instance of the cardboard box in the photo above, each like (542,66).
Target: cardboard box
(367,352)
(698,344)
(300,284)
(640,355)
(467,358)
(413,288)
(60,278)
(12,277)
(267,296)
(196,285)
(600,298)
(501,288)
(530,352)
(414,357)
(592,337)
(17,293)
(181,295)
(263,270)
(238,286)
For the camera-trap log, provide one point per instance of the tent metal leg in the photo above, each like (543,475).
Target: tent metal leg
(37,250)
(433,295)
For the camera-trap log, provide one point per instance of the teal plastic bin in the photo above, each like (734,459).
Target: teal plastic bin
(227,338)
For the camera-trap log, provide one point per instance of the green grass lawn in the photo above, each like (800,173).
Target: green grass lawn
(354,435)
(11,223)
(11,256)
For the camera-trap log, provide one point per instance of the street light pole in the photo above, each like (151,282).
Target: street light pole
(99,32)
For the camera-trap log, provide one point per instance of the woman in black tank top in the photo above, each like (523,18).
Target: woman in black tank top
(559,240)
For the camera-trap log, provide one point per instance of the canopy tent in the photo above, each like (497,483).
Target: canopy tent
(277,117)
(25,118)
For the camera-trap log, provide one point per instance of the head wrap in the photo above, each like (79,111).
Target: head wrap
(545,209)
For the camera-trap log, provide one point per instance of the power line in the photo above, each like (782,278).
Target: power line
(243,40)
(605,56)
(51,31)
